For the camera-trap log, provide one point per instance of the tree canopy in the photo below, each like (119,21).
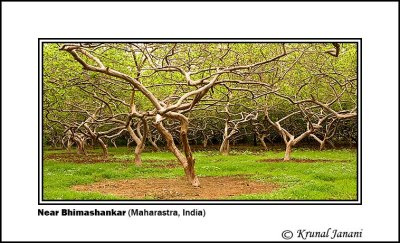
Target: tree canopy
(191,92)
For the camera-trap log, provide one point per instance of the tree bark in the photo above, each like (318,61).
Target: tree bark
(114,143)
(138,156)
(69,145)
(153,143)
(139,146)
(225,147)
(322,142)
(263,144)
(95,137)
(103,147)
(288,151)
(187,160)
(80,146)
(188,153)
(138,151)
(322,145)
(205,142)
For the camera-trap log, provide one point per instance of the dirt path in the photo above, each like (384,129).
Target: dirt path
(212,188)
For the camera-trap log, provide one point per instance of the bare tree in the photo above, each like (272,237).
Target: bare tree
(327,133)
(232,126)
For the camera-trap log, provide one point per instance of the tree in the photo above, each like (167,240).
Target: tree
(200,70)
(191,92)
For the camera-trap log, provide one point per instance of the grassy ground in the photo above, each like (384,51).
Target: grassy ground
(297,181)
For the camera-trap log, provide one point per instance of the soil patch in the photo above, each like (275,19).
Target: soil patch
(301,160)
(178,188)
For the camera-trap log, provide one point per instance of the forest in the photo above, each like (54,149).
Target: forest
(200,120)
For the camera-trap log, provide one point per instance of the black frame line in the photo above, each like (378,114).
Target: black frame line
(357,201)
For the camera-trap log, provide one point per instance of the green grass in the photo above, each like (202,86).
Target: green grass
(297,181)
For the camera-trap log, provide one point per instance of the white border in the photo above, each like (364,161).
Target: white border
(375,22)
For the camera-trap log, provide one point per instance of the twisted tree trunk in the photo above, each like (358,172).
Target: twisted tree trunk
(205,142)
(225,146)
(69,145)
(103,147)
(139,140)
(80,143)
(288,150)
(261,137)
(187,160)
(153,143)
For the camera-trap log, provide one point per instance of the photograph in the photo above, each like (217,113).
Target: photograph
(201,120)
(178,121)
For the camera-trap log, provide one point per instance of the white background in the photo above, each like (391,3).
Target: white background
(375,23)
